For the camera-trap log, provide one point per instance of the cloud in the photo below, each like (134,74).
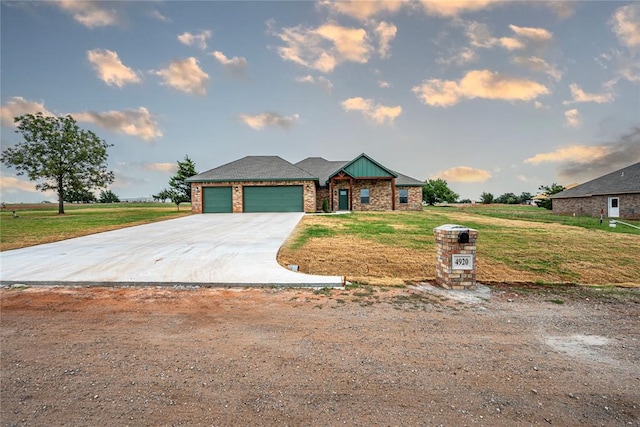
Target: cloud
(538,64)
(199,40)
(584,162)
(17,106)
(236,65)
(385,32)
(573,118)
(91,14)
(262,120)
(575,153)
(464,174)
(562,8)
(321,81)
(578,95)
(159,167)
(9,184)
(625,23)
(155,13)
(185,75)
(382,84)
(377,112)
(479,35)
(460,57)
(478,84)
(539,35)
(452,8)
(325,47)
(363,9)
(110,69)
(139,123)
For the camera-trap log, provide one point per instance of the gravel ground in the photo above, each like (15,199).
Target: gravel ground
(361,356)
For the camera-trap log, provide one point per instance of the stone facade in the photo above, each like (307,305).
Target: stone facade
(322,193)
(446,246)
(308,193)
(591,206)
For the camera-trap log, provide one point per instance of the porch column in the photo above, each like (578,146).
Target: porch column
(393,194)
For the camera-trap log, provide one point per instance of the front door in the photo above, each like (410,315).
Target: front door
(343,200)
(614,207)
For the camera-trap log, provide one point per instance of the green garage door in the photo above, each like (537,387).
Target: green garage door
(284,198)
(217,200)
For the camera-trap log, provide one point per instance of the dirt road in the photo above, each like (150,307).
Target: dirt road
(363,356)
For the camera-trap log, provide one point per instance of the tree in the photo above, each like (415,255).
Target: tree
(438,191)
(507,199)
(56,151)
(163,195)
(548,191)
(180,190)
(79,195)
(486,198)
(524,197)
(108,196)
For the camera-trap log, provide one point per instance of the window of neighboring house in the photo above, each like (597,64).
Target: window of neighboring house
(364,196)
(404,196)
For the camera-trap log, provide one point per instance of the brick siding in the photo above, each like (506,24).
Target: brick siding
(415,199)
(591,206)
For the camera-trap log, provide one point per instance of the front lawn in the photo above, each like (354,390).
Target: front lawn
(396,247)
(41,223)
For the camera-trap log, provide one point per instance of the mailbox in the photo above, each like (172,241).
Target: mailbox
(455,256)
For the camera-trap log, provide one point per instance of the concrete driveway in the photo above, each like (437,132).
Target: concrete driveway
(215,249)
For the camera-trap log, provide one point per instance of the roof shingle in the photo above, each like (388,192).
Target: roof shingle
(254,168)
(626,180)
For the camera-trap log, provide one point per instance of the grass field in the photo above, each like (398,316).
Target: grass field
(40,223)
(514,245)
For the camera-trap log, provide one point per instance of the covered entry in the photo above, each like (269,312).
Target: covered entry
(280,198)
(217,200)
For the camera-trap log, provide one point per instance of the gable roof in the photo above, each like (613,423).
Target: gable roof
(325,169)
(254,168)
(364,166)
(626,180)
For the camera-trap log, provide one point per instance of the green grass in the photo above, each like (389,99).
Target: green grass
(535,214)
(40,224)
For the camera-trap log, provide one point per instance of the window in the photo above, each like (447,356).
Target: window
(404,196)
(364,196)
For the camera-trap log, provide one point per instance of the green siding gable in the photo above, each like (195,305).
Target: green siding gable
(363,166)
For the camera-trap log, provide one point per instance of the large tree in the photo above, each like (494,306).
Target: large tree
(548,190)
(438,191)
(179,190)
(59,154)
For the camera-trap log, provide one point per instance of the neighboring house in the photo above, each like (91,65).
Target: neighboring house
(272,184)
(616,195)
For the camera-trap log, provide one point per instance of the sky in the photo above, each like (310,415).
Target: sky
(492,96)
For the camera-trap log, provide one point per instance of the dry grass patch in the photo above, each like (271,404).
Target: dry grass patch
(396,247)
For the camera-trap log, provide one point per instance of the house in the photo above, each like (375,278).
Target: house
(272,184)
(616,195)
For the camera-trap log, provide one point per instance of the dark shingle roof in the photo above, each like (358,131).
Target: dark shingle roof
(320,168)
(323,169)
(254,168)
(626,180)
(407,181)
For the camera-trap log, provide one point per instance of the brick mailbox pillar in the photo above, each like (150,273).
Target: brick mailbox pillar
(456,256)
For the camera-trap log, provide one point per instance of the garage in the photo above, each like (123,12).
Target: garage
(217,200)
(281,198)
